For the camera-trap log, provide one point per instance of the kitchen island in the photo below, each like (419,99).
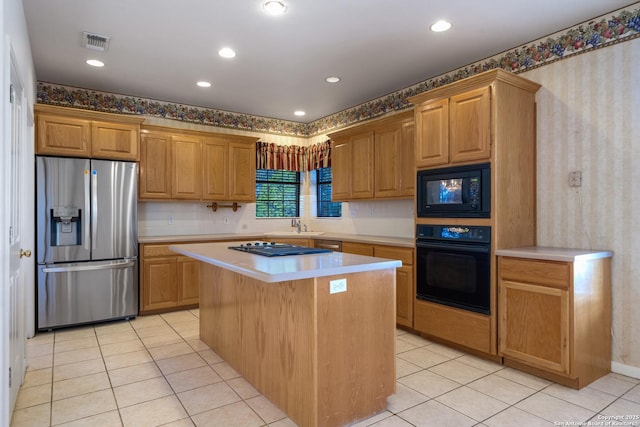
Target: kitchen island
(315,333)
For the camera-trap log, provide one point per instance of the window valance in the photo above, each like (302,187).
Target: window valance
(293,157)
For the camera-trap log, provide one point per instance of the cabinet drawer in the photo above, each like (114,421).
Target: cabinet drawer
(404,255)
(157,250)
(357,248)
(547,273)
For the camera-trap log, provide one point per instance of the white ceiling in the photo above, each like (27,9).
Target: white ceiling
(160,48)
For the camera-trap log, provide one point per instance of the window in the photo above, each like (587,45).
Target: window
(277,193)
(326,208)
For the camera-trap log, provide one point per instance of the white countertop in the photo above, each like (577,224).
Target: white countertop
(282,268)
(407,242)
(554,254)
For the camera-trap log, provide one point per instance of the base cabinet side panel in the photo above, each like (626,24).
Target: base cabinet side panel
(278,350)
(356,347)
(220,321)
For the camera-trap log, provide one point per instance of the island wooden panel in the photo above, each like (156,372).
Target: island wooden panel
(324,359)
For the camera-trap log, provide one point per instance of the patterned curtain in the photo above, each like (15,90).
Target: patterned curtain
(293,157)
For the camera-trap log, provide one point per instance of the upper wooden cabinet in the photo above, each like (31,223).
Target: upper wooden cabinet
(242,171)
(181,165)
(155,166)
(371,161)
(464,121)
(80,133)
(407,158)
(455,129)
(186,167)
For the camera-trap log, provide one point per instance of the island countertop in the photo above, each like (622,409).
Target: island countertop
(282,268)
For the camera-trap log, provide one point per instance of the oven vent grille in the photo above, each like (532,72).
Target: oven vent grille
(95,41)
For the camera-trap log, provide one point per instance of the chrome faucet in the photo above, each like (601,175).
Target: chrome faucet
(296,223)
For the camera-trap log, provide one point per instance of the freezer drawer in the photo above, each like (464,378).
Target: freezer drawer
(76,293)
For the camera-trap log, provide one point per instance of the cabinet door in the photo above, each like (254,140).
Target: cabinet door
(405,293)
(118,141)
(534,325)
(242,170)
(432,133)
(155,166)
(216,169)
(408,160)
(159,286)
(387,155)
(187,168)
(188,281)
(404,296)
(362,173)
(340,170)
(65,136)
(470,125)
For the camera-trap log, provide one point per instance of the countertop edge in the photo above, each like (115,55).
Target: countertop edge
(554,253)
(380,264)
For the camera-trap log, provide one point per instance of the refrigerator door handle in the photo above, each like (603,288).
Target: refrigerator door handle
(86,238)
(94,209)
(115,264)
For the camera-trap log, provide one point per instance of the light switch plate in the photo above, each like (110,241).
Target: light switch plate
(338,285)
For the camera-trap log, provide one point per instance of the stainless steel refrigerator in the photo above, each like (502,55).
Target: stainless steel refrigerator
(87,249)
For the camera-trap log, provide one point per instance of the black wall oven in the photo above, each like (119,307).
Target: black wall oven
(454,266)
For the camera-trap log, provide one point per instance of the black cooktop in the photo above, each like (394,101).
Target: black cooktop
(272,249)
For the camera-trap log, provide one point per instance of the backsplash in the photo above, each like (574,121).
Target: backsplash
(392,218)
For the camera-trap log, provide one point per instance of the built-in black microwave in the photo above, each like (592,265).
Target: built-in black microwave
(455,192)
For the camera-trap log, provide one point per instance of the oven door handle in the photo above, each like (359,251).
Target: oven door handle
(481,248)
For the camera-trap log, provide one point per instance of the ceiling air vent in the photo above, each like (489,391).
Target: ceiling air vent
(95,41)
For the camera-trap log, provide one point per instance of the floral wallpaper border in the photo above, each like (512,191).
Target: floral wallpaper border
(621,25)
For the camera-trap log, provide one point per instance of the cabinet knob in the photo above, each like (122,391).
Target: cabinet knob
(26,253)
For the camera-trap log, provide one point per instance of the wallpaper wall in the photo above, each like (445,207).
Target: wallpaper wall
(589,121)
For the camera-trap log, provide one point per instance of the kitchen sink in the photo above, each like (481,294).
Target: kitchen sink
(293,233)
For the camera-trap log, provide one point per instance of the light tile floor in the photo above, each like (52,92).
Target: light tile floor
(154,371)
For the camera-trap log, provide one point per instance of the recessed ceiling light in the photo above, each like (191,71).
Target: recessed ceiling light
(95,63)
(274,7)
(440,26)
(226,52)
(299,113)
(332,79)
(204,84)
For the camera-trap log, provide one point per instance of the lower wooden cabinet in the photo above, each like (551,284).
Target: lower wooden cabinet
(555,318)
(168,281)
(404,275)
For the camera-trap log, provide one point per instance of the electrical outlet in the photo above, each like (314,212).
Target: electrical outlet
(170,220)
(575,179)
(338,285)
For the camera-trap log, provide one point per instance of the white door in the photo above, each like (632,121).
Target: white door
(19,256)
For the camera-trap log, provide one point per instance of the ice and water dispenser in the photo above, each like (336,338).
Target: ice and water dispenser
(66,226)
